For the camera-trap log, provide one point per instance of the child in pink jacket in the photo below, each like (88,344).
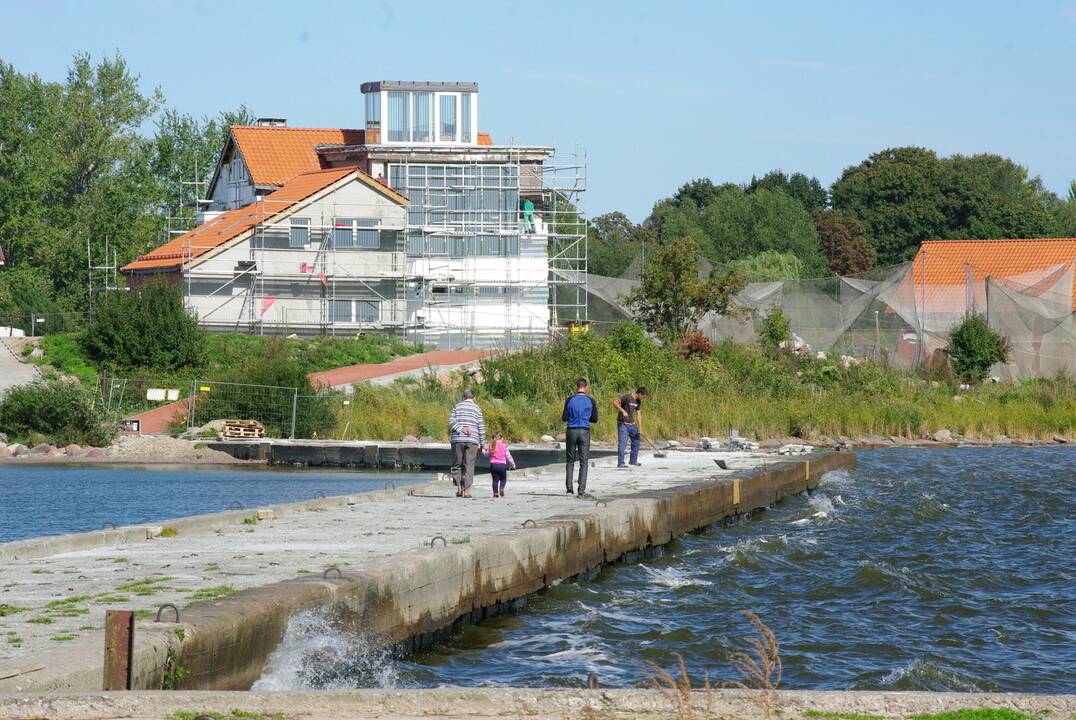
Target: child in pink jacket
(500,460)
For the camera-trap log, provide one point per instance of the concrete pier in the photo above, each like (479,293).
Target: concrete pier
(397,565)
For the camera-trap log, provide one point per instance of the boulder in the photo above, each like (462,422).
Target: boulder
(848,361)
(18,450)
(425,439)
(54,451)
(548,439)
(72,449)
(42,449)
(37,353)
(942,436)
(95,453)
(1001,440)
(562,437)
(795,449)
(5,453)
(1061,439)
(409,439)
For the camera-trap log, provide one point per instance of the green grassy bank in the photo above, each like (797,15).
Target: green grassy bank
(763,395)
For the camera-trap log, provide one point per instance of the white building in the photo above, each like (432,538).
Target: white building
(416,224)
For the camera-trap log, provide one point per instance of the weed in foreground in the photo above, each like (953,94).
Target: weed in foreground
(678,691)
(762,670)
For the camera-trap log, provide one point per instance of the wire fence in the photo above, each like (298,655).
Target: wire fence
(41,323)
(274,407)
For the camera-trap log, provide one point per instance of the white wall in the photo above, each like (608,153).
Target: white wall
(234,187)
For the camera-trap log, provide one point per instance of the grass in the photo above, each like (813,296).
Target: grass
(169,532)
(112,599)
(6,610)
(73,600)
(461,540)
(145,586)
(63,638)
(212,593)
(144,614)
(235,713)
(762,395)
(250,521)
(962,714)
(41,621)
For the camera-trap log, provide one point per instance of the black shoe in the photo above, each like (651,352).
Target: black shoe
(570,491)
(637,464)
(621,466)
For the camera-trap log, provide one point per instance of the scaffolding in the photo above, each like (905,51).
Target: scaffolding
(492,254)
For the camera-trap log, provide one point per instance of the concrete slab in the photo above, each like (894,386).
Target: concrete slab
(519,703)
(56,602)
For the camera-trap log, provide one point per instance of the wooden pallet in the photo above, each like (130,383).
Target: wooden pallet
(242,429)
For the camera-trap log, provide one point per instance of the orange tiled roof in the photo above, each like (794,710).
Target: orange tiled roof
(944,262)
(274,154)
(233,223)
(485,139)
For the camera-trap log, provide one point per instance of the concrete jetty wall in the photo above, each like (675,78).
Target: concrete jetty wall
(379,454)
(405,599)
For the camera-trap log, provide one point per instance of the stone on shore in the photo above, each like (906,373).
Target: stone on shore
(18,450)
(42,449)
(942,436)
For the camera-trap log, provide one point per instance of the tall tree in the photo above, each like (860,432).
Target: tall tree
(808,191)
(614,242)
(843,242)
(673,297)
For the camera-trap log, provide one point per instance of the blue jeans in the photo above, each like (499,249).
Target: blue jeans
(624,432)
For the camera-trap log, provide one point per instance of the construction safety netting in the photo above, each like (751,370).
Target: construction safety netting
(891,315)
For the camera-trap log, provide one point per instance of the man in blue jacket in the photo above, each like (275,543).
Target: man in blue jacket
(580,411)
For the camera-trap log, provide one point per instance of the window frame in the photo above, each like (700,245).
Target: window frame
(294,224)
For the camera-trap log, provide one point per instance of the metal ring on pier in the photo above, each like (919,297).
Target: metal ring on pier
(109,523)
(161,610)
(602,503)
(528,520)
(235,505)
(412,493)
(325,575)
(390,483)
(319,495)
(444,543)
(592,681)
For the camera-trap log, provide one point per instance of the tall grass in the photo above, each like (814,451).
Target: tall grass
(738,386)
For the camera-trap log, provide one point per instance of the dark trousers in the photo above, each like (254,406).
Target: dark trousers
(500,476)
(463,457)
(577,443)
(624,434)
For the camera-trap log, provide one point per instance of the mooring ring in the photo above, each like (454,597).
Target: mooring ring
(444,543)
(601,503)
(390,483)
(235,505)
(325,575)
(528,520)
(161,610)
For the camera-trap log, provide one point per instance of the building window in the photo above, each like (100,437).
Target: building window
(299,235)
(399,122)
(448,118)
(367,311)
(350,311)
(420,129)
(340,311)
(373,110)
(465,117)
(366,234)
(343,233)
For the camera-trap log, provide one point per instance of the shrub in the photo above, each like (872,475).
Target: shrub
(774,329)
(63,413)
(693,344)
(974,347)
(144,327)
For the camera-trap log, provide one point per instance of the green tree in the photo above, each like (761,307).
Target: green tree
(974,347)
(808,191)
(672,297)
(768,266)
(148,326)
(613,242)
(773,330)
(843,241)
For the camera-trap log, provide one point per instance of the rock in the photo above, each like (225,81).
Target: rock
(848,361)
(5,453)
(81,452)
(548,439)
(95,453)
(1001,440)
(1061,439)
(37,353)
(72,449)
(942,436)
(873,441)
(54,451)
(42,449)
(562,438)
(409,439)
(18,450)
(819,355)
(743,444)
(795,449)
(672,444)
(425,439)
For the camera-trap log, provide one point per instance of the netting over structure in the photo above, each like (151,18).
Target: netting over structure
(893,316)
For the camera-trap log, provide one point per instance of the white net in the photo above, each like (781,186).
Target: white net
(890,315)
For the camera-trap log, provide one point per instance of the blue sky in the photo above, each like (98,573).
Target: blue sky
(657,93)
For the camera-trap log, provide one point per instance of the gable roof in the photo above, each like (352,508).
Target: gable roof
(274,154)
(946,262)
(232,224)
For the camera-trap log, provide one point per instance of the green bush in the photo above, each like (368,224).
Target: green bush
(774,329)
(974,347)
(62,412)
(146,327)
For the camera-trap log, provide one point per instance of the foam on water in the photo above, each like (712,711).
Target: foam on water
(672,577)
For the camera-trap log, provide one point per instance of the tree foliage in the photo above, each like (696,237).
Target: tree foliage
(672,297)
(768,266)
(773,330)
(148,326)
(905,195)
(843,242)
(61,412)
(974,347)
(807,191)
(614,242)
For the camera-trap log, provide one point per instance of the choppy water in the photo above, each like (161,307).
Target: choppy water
(40,500)
(941,569)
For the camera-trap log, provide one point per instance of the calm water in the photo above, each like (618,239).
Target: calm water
(40,500)
(936,569)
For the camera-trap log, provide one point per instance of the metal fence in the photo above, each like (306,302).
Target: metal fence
(274,407)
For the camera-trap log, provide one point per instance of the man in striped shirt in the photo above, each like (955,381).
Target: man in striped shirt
(468,433)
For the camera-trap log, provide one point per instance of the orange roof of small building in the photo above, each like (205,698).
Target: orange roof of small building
(274,154)
(946,262)
(233,223)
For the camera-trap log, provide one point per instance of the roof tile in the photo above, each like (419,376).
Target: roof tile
(274,154)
